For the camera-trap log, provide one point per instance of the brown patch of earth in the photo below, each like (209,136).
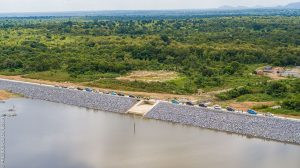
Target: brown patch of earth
(5,95)
(274,76)
(150,76)
(248,105)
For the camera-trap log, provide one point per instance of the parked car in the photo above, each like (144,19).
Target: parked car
(189,103)
(253,112)
(175,101)
(269,115)
(131,96)
(217,107)
(113,93)
(203,105)
(120,94)
(230,108)
(88,89)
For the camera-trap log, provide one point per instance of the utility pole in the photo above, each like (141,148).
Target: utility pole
(10,113)
(3,120)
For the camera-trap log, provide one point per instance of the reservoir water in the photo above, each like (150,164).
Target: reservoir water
(51,135)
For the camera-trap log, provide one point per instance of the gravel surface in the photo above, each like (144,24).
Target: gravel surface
(91,100)
(257,126)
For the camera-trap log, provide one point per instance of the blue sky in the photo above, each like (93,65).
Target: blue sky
(77,5)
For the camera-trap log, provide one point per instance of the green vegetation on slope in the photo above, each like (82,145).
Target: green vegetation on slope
(285,92)
(209,54)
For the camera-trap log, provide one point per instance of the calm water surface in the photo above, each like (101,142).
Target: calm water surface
(51,135)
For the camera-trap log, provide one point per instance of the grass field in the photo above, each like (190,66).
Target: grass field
(61,76)
(277,111)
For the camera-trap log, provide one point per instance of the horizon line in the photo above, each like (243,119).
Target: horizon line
(230,8)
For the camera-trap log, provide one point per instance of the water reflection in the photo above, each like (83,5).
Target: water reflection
(51,135)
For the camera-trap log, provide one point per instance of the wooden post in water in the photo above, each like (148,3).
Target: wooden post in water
(134,124)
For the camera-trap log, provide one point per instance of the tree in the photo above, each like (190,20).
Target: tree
(165,38)
(292,103)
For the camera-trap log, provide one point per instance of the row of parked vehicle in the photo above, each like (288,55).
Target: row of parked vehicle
(174,101)
(204,105)
(95,91)
(218,107)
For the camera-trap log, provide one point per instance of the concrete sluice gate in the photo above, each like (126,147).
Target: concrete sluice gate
(263,127)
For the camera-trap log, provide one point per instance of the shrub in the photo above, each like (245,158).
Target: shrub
(292,104)
(234,93)
(276,89)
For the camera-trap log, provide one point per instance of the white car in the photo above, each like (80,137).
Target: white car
(269,115)
(217,107)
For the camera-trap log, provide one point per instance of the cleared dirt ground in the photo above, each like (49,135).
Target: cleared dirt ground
(150,76)
(248,105)
(5,95)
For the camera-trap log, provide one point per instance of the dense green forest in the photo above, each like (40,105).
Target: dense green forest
(208,53)
(195,47)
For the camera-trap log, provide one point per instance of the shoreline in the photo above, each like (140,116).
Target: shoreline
(5,95)
(283,130)
(157,96)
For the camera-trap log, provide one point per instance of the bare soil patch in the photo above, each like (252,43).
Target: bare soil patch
(279,73)
(275,76)
(150,76)
(5,95)
(248,105)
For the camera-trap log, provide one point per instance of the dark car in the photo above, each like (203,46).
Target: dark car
(203,105)
(88,89)
(230,109)
(189,103)
(131,96)
(120,94)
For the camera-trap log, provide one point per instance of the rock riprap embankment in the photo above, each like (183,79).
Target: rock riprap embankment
(256,126)
(91,100)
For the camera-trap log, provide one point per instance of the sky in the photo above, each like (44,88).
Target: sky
(7,6)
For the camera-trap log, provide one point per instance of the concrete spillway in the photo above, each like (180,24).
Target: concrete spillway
(263,127)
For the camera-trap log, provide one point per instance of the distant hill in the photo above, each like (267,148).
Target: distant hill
(227,7)
(295,5)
